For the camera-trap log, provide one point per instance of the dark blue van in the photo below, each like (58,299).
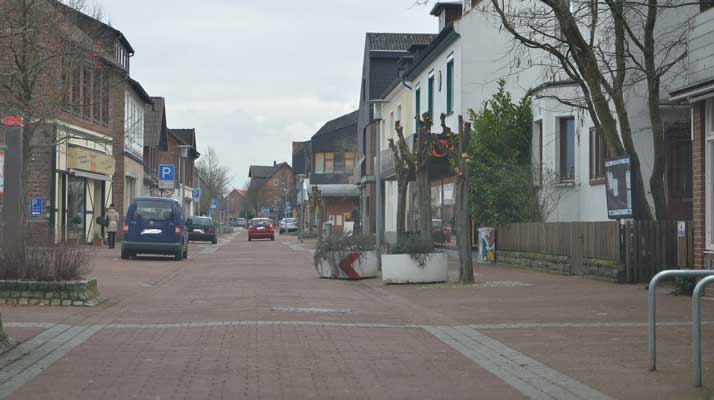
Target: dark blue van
(154,225)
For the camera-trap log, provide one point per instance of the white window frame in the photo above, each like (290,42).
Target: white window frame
(709,173)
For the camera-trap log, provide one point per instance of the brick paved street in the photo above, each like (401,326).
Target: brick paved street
(252,320)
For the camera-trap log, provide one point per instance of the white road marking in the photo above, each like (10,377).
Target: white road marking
(533,379)
(29,359)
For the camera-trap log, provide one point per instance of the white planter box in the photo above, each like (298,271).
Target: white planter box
(402,268)
(357,265)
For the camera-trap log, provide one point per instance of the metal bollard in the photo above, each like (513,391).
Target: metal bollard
(651,300)
(697,329)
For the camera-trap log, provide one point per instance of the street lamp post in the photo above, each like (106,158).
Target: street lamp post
(377,114)
(302,206)
(183,154)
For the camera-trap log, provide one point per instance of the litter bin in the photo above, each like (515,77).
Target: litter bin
(486,245)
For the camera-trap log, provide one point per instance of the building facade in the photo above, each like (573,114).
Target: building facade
(698,92)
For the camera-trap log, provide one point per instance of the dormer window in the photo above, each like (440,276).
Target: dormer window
(121,55)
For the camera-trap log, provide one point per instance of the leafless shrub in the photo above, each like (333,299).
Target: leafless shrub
(63,262)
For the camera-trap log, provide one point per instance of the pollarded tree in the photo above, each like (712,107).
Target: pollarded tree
(405,165)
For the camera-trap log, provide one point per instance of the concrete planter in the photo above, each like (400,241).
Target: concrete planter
(73,293)
(356,265)
(402,268)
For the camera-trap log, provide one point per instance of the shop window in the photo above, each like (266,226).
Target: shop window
(598,154)
(567,149)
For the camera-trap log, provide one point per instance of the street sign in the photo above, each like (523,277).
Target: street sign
(36,206)
(196,193)
(266,212)
(167,174)
(619,188)
(214,203)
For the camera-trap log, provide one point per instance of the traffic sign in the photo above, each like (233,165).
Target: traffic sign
(266,212)
(196,193)
(167,174)
(214,203)
(36,206)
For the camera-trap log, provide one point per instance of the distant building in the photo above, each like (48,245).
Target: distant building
(272,187)
(327,162)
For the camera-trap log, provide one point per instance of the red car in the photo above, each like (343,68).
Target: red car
(261,228)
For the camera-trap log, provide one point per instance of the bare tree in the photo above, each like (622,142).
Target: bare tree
(405,165)
(604,49)
(456,147)
(423,146)
(215,176)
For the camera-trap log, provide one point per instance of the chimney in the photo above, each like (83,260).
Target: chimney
(447,12)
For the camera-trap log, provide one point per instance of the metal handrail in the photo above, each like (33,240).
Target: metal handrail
(652,317)
(697,329)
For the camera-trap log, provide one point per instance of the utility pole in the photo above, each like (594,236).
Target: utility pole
(377,114)
(14,232)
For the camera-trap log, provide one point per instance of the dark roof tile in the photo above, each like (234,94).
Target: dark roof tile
(396,41)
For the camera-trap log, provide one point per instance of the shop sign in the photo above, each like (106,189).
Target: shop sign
(89,160)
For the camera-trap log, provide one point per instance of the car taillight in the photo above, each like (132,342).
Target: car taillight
(126,228)
(250,226)
(178,230)
(211,230)
(270,226)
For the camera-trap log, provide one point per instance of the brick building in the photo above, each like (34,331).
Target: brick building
(273,188)
(327,161)
(185,167)
(79,138)
(699,93)
(156,136)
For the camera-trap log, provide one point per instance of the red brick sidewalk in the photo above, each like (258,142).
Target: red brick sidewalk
(252,320)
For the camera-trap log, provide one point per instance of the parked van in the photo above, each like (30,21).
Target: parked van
(154,225)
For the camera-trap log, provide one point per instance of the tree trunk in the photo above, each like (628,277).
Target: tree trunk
(423,182)
(463,230)
(463,205)
(402,185)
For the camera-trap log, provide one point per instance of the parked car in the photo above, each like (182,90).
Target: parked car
(440,231)
(261,228)
(289,224)
(241,222)
(202,229)
(154,226)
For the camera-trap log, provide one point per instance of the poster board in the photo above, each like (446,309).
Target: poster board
(619,188)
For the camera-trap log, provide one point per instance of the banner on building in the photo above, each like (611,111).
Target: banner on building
(90,160)
(619,188)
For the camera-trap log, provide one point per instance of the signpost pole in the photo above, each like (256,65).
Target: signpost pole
(14,232)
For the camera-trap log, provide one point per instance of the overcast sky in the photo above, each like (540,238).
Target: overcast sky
(253,76)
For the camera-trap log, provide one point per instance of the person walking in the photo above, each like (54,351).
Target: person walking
(112,225)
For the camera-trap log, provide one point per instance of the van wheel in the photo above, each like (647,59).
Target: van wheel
(185,252)
(214,241)
(124,254)
(179,255)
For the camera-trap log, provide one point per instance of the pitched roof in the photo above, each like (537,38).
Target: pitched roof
(186,136)
(396,41)
(260,171)
(154,121)
(139,90)
(338,123)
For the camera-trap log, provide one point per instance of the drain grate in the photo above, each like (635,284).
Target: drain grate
(313,310)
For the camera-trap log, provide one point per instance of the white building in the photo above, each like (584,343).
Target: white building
(569,155)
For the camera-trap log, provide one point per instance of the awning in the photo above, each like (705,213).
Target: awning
(695,92)
(339,190)
(90,175)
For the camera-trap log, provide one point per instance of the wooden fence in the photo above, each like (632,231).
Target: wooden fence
(596,239)
(643,247)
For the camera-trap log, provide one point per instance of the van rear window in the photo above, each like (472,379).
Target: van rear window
(153,211)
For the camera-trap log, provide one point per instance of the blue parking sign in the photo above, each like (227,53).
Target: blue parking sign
(167,172)
(266,212)
(196,193)
(36,206)
(214,203)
